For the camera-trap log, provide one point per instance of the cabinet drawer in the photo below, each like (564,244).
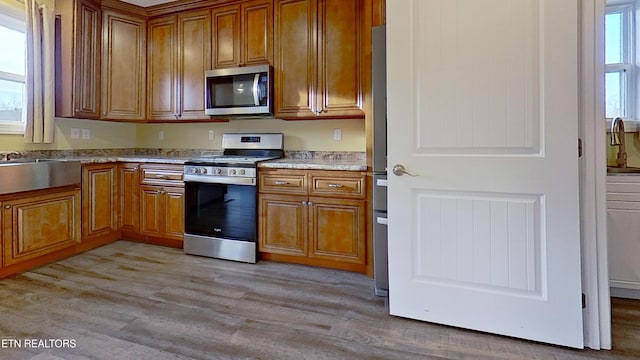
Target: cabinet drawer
(338,185)
(162,175)
(294,183)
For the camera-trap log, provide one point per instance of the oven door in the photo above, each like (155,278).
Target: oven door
(226,211)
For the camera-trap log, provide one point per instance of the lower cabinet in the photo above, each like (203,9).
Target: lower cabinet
(152,203)
(162,212)
(327,230)
(40,224)
(623,233)
(99,205)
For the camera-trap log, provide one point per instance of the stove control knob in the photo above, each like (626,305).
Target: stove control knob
(218,171)
(242,172)
(232,171)
(195,170)
(203,170)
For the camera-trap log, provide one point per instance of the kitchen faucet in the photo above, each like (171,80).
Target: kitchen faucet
(617,139)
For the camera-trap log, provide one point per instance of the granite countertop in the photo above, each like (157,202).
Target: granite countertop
(315,164)
(132,158)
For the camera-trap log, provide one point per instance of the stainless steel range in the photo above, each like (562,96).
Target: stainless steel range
(221,196)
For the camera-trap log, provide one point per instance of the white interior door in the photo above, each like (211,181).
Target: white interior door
(483,110)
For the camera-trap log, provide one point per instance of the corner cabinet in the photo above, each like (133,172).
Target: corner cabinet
(78,58)
(178,55)
(242,34)
(124,53)
(40,227)
(623,232)
(325,77)
(313,217)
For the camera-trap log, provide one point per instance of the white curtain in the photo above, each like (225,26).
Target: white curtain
(40,71)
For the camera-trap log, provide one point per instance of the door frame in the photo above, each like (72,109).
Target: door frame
(593,205)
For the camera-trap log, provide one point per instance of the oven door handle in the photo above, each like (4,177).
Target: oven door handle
(229,180)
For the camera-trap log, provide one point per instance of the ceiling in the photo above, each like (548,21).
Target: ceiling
(145,3)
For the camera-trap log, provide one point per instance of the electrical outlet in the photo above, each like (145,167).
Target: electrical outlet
(75,133)
(161,135)
(212,135)
(86,134)
(337,134)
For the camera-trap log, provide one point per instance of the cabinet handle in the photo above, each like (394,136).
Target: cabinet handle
(304,203)
(309,203)
(281,182)
(335,186)
(164,177)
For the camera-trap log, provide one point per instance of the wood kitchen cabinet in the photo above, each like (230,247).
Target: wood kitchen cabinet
(178,55)
(40,227)
(124,53)
(313,217)
(99,205)
(319,58)
(162,204)
(242,34)
(78,58)
(128,193)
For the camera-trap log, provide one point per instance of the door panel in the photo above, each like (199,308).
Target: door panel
(483,100)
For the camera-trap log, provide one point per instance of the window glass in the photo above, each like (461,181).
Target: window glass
(614,94)
(614,37)
(12,43)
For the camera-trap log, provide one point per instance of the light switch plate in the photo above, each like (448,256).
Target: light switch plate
(161,135)
(212,135)
(337,134)
(75,133)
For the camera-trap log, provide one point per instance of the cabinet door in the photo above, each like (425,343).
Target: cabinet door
(173,212)
(129,214)
(623,232)
(86,88)
(257,32)
(78,58)
(123,66)
(295,59)
(39,225)
(162,67)
(283,224)
(99,200)
(337,231)
(340,58)
(194,58)
(226,36)
(150,210)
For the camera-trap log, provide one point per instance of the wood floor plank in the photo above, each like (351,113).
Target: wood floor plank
(131,300)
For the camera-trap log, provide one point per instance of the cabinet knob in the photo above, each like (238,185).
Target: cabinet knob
(309,203)
(304,203)
(7,206)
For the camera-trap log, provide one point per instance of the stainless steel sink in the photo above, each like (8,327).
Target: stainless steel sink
(619,170)
(35,174)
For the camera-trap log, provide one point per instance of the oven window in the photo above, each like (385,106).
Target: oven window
(220,210)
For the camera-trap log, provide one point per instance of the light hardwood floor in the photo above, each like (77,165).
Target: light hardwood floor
(134,301)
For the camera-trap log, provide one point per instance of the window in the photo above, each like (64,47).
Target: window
(619,62)
(12,74)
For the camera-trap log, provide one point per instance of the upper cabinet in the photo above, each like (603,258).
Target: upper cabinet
(124,51)
(179,53)
(242,34)
(319,59)
(77,58)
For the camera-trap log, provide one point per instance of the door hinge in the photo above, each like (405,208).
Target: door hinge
(579,147)
(584,301)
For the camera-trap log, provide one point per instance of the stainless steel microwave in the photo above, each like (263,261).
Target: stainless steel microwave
(239,91)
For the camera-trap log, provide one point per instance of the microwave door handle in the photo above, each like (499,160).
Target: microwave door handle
(256,78)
